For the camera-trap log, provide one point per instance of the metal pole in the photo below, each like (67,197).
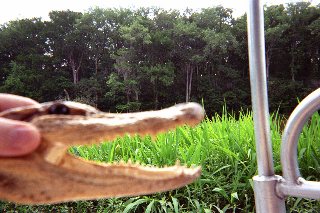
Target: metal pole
(265,183)
(291,133)
(293,184)
(258,84)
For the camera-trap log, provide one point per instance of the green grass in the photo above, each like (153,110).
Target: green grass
(225,148)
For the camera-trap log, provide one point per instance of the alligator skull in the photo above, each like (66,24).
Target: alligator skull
(51,175)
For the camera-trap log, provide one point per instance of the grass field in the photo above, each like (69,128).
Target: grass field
(225,148)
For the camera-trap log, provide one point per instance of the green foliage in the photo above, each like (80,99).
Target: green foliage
(22,81)
(133,106)
(278,90)
(162,73)
(136,33)
(152,58)
(116,87)
(224,146)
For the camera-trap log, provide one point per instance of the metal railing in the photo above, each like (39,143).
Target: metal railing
(270,190)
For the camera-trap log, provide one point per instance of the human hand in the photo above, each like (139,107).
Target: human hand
(16,137)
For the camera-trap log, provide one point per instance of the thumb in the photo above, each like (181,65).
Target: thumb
(17,138)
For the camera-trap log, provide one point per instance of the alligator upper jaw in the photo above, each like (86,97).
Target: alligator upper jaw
(80,130)
(34,181)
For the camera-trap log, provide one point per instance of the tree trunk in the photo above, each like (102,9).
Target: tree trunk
(190,82)
(268,59)
(74,67)
(96,98)
(67,94)
(187,84)
(189,72)
(136,93)
(128,97)
(156,96)
(292,64)
(96,65)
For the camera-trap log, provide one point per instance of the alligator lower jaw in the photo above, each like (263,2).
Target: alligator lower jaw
(35,181)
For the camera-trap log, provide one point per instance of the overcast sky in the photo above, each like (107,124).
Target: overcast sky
(14,9)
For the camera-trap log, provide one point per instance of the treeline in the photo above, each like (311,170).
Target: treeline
(149,58)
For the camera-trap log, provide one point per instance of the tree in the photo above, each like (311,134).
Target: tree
(276,27)
(22,81)
(300,16)
(65,41)
(187,50)
(160,75)
(128,60)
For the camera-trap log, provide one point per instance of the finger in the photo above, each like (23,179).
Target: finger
(8,101)
(17,138)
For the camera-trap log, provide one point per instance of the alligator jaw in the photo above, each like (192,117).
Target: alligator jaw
(74,130)
(51,175)
(34,181)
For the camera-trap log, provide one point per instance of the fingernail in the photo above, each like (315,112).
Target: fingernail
(22,136)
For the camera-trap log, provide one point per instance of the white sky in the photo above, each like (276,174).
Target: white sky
(15,9)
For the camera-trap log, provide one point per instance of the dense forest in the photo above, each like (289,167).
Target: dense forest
(149,58)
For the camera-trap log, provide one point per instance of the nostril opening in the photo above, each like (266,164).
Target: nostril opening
(59,108)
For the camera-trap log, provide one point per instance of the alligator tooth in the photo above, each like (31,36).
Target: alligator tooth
(129,163)
(193,166)
(137,163)
(121,162)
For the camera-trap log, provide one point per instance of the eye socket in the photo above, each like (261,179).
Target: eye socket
(59,109)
